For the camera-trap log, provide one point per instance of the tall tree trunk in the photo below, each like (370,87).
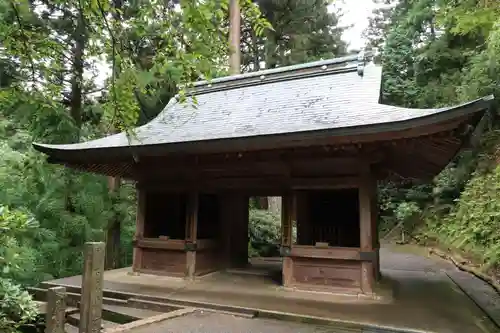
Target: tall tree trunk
(76,95)
(274,205)
(234,37)
(113,231)
(255,51)
(77,73)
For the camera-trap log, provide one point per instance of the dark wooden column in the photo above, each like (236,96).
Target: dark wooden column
(375,235)
(225,230)
(234,231)
(367,190)
(139,228)
(288,204)
(191,234)
(239,238)
(303,219)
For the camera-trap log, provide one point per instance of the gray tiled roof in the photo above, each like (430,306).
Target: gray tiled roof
(316,97)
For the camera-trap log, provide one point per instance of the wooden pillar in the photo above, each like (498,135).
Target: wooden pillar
(375,237)
(288,215)
(191,234)
(303,219)
(56,310)
(92,285)
(367,189)
(239,231)
(234,231)
(225,230)
(139,228)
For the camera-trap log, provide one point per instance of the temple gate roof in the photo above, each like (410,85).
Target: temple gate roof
(324,99)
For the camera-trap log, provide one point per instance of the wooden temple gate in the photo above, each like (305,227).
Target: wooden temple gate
(197,223)
(314,134)
(306,263)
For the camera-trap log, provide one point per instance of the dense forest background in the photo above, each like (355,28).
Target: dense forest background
(76,70)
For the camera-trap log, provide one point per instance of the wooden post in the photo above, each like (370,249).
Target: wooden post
(92,285)
(375,234)
(56,310)
(191,234)
(234,229)
(243,231)
(366,193)
(303,220)
(239,230)
(288,214)
(225,229)
(139,229)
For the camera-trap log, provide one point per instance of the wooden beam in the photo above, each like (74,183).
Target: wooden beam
(153,243)
(324,183)
(261,157)
(307,251)
(276,185)
(244,167)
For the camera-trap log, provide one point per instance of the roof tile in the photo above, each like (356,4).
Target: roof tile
(300,103)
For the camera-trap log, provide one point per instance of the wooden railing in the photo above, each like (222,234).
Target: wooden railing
(174,244)
(330,252)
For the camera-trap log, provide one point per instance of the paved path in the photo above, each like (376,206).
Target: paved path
(411,258)
(211,322)
(428,298)
(480,292)
(398,262)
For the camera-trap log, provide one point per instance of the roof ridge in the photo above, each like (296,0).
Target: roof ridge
(263,79)
(315,68)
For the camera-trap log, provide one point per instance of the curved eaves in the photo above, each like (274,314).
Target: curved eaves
(120,142)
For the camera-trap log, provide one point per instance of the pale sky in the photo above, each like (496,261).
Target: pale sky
(356,12)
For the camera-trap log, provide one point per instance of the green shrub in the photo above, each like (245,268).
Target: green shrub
(263,233)
(473,223)
(17,308)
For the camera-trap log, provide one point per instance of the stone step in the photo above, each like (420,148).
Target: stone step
(182,303)
(74,320)
(126,314)
(70,328)
(152,305)
(169,307)
(114,301)
(42,308)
